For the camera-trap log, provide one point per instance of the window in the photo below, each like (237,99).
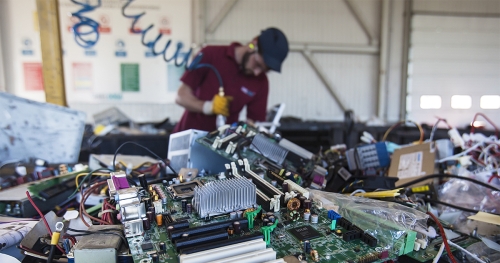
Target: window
(461,102)
(430,102)
(490,102)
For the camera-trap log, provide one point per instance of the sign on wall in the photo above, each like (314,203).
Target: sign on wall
(119,67)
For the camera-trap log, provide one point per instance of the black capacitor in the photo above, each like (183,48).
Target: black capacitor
(265,221)
(169,230)
(268,214)
(189,208)
(146,224)
(162,246)
(307,246)
(237,228)
(307,204)
(150,216)
(285,187)
(165,183)
(152,209)
(142,181)
(155,258)
(272,219)
(184,205)
(230,230)
(302,200)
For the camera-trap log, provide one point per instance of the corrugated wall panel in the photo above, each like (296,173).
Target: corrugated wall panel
(469,6)
(453,55)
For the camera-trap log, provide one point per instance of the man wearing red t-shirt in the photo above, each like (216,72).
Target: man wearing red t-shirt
(242,69)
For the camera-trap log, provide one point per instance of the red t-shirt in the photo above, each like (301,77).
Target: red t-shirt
(246,90)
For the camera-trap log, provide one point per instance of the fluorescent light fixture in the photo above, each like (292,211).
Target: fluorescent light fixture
(430,102)
(490,102)
(461,102)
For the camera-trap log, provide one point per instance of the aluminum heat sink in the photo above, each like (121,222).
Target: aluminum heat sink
(225,196)
(268,148)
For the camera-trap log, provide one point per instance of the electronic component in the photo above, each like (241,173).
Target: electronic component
(177,233)
(191,241)
(183,190)
(99,245)
(146,246)
(304,233)
(214,198)
(223,243)
(292,186)
(368,156)
(225,251)
(272,151)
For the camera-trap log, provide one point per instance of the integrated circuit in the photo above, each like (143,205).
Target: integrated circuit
(304,233)
(147,246)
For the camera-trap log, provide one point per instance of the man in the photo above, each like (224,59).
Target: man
(242,69)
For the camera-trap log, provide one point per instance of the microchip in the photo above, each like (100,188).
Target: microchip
(147,246)
(304,233)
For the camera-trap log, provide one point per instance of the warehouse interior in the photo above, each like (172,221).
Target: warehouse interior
(378,141)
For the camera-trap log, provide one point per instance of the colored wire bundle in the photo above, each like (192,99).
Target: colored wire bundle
(85,196)
(86,27)
(472,128)
(143,147)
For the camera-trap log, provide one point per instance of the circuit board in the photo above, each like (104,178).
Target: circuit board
(285,239)
(430,252)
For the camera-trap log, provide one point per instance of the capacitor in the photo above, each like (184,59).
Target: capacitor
(237,228)
(272,219)
(302,200)
(265,221)
(155,198)
(150,189)
(155,258)
(274,182)
(230,230)
(307,215)
(159,219)
(142,181)
(307,246)
(146,224)
(184,205)
(162,246)
(169,230)
(315,256)
(189,208)
(285,187)
(165,183)
(232,215)
(239,213)
(314,219)
(164,200)
(268,214)
(150,216)
(307,204)
(152,209)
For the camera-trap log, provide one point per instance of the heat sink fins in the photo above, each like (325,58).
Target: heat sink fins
(271,150)
(224,196)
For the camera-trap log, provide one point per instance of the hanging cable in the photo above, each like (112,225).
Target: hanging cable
(178,59)
(86,31)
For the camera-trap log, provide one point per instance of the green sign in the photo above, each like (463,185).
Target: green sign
(130,77)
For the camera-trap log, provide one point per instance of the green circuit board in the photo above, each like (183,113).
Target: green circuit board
(330,245)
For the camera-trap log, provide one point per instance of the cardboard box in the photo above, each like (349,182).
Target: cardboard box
(411,162)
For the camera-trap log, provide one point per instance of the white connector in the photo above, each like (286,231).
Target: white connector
(292,186)
(252,257)
(223,252)
(455,138)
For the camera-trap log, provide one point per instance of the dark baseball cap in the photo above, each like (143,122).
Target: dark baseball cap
(273,46)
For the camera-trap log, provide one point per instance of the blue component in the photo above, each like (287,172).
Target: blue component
(383,156)
(333,215)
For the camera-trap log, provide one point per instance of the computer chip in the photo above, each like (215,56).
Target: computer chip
(304,233)
(147,246)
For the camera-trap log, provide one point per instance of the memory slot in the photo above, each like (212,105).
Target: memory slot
(251,257)
(223,243)
(223,252)
(177,233)
(178,224)
(263,200)
(201,239)
(261,184)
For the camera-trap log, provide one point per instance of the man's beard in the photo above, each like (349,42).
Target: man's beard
(244,61)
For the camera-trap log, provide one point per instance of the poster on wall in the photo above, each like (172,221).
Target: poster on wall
(105,59)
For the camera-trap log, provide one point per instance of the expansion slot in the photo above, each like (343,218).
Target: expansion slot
(223,243)
(251,257)
(177,233)
(223,252)
(292,186)
(262,184)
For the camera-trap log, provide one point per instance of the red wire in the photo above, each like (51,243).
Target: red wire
(472,128)
(443,236)
(42,216)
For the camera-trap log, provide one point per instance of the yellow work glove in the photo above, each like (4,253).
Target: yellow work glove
(218,105)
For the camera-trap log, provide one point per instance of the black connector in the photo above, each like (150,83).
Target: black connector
(369,240)
(346,224)
(201,239)
(351,235)
(177,233)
